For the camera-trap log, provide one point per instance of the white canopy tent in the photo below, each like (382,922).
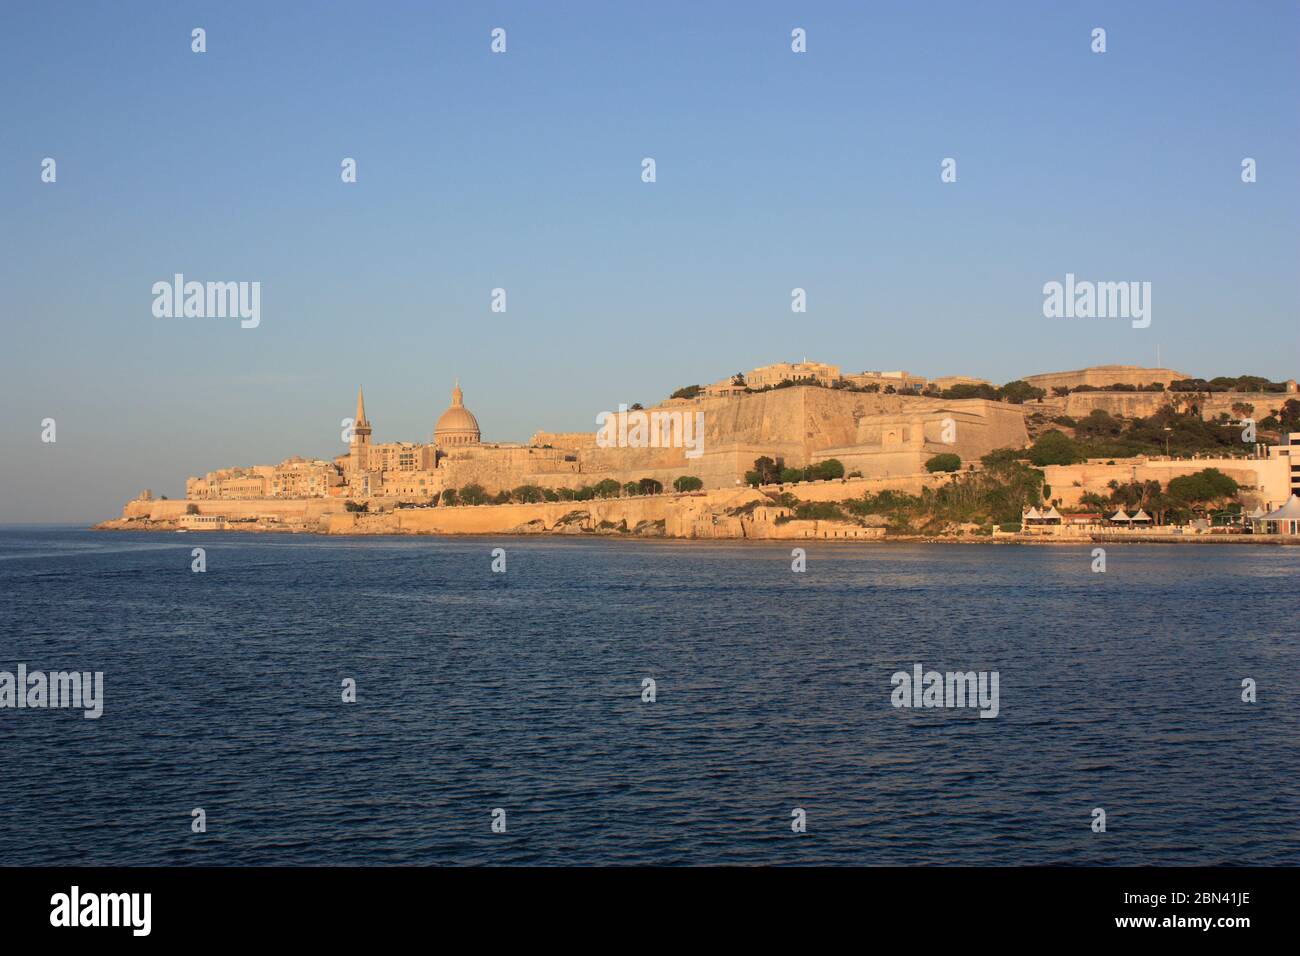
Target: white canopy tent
(1285,520)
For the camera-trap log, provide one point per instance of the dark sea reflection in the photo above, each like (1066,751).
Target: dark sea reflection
(523,691)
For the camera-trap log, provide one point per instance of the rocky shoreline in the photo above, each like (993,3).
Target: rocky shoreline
(654,530)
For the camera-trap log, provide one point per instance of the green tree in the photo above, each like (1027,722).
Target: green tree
(1019,392)
(1202,489)
(946,461)
(529,494)
(448,498)
(1098,425)
(1054,447)
(830,468)
(789,475)
(632,488)
(607,488)
(473,494)
(651,487)
(967,390)
(687,483)
(1093,501)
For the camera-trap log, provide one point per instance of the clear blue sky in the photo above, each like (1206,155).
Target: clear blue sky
(522,170)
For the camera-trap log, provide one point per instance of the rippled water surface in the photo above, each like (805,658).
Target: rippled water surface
(523,691)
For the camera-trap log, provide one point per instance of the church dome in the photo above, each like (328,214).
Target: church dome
(457,426)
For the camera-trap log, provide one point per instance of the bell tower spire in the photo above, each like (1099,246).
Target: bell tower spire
(359,447)
(361,407)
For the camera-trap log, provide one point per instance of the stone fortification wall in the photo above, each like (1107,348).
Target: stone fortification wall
(742,513)
(702,514)
(1145,404)
(876,434)
(308,510)
(1268,479)
(502,468)
(843,490)
(564,440)
(1101,375)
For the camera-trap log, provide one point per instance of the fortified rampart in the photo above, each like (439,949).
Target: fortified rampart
(1099,376)
(1145,404)
(301,510)
(879,435)
(845,489)
(1267,481)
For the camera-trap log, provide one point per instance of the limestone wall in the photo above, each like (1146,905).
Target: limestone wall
(308,510)
(1268,478)
(1102,375)
(1144,404)
(843,490)
(568,440)
(702,514)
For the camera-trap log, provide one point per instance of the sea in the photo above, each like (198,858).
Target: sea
(597,701)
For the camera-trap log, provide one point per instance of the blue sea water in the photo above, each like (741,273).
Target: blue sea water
(522,691)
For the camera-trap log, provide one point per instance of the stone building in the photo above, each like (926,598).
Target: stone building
(780,372)
(304,478)
(944,382)
(727,387)
(899,381)
(232,483)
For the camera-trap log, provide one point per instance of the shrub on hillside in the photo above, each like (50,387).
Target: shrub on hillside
(946,461)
